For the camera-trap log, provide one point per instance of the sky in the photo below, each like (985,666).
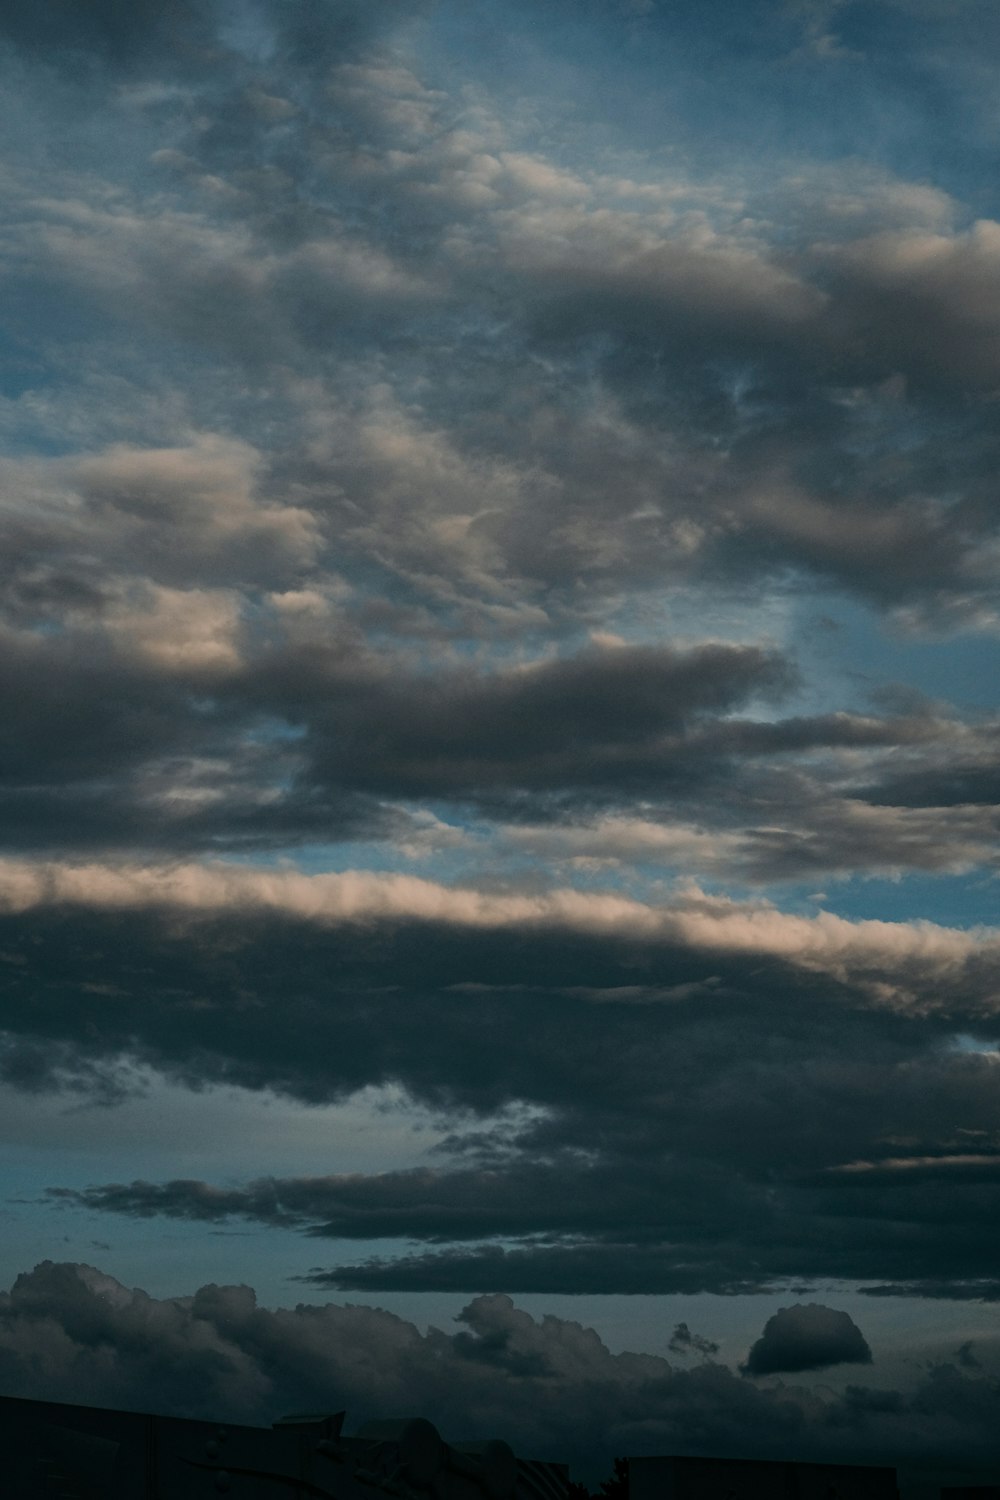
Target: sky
(500,760)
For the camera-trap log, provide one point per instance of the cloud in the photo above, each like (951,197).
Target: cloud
(343,722)
(549,1387)
(192,631)
(949,278)
(814,834)
(656,1155)
(174,508)
(411,475)
(695,920)
(683,1341)
(245,265)
(526,726)
(285,717)
(808,1336)
(145,36)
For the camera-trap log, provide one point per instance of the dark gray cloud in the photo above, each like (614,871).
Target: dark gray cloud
(983,1290)
(611,715)
(551,1388)
(169,723)
(154,37)
(148,36)
(807,1336)
(588,1269)
(317,33)
(683,1341)
(662,1074)
(161,736)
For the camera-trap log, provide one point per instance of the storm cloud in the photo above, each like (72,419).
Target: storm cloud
(657,1155)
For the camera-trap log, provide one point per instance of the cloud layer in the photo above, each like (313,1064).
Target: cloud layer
(550,1387)
(499,590)
(662,1051)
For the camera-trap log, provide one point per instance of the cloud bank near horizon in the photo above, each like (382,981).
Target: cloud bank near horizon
(549,1386)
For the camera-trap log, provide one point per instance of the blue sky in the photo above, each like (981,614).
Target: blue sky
(499,621)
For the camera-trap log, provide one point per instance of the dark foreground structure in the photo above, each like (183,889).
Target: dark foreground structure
(52,1451)
(55,1452)
(752,1479)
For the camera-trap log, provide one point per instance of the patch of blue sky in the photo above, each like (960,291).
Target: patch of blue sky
(410,851)
(44,321)
(845,646)
(247,30)
(743,86)
(23,368)
(222,1132)
(968,1043)
(276,731)
(963,901)
(682,617)
(170,1258)
(225,1135)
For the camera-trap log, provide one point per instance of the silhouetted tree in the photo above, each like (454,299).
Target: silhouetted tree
(615,1487)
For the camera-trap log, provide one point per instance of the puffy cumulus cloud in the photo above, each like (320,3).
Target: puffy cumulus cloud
(611,266)
(217,1351)
(965,779)
(808,1336)
(445,519)
(179,507)
(839,537)
(841,201)
(550,1387)
(77,530)
(315,237)
(193,631)
(218,284)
